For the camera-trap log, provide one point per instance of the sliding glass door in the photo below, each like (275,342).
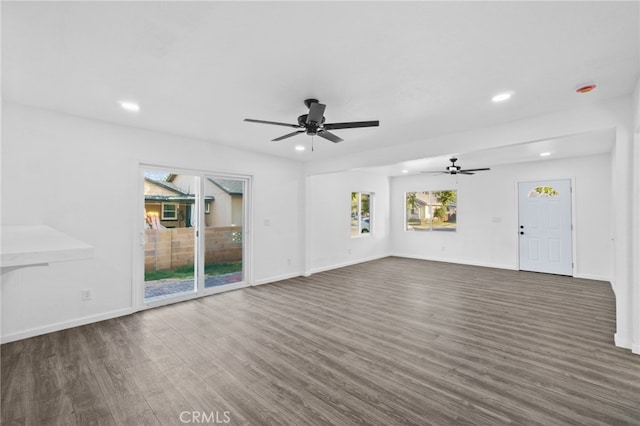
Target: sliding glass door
(170,243)
(194,234)
(223,231)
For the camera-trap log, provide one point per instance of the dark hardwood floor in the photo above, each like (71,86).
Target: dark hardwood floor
(389,342)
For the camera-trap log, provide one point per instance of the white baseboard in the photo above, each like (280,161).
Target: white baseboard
(344,264)
(457,261)
(277,278)
(592,277)
(37,331)
(622,342)
(490,265)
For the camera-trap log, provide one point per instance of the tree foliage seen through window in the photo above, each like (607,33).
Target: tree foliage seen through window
(431,210)
(360,213)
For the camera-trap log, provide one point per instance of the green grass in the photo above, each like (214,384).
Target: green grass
(186,271)
(436,225)
(444,225)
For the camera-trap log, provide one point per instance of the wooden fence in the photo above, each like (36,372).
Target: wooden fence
(167,249)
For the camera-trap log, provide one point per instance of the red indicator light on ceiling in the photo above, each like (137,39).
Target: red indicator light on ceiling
(586,88)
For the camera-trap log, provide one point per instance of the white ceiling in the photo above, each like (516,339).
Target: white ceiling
(422,68)
(569,146)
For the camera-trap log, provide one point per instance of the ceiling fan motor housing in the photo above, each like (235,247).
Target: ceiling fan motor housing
(453,169)
(311,127)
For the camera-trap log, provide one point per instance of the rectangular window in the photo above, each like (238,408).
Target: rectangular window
(361,213)
(431,210)
(169,211)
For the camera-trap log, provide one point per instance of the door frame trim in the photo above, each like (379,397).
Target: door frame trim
(574,260)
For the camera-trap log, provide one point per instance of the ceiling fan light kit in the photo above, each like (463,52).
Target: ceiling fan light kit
(501,97)
(454,169)
(313,123)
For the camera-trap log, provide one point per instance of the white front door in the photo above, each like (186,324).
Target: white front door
(544,216)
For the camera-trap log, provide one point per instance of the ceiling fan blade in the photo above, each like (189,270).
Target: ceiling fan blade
(474,170)
(288,135)
(316,113)
(329,136)
(351,125)
(250,120)
(434,171)
(465,172)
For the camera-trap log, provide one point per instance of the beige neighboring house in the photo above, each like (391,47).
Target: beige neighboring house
(169,204)
(223,201)
(420,210)
(227,210)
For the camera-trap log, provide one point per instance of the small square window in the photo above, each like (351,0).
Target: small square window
(169,211)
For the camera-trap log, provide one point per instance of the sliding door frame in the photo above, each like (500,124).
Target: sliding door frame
(138,282)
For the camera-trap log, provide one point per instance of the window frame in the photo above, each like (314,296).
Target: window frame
(430,208)
(163,212)
(359,216)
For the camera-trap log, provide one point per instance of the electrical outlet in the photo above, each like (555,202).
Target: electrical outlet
(86,294)
(289,262)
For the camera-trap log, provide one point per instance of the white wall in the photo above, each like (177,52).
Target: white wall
(62,171)
(82,177)
(329,219)
(624,197)
(487,233)
(635,260)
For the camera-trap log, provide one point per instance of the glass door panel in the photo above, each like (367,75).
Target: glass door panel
(223,226)
(170,240)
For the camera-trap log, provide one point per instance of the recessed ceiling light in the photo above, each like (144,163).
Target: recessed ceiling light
(501,97)
(405,172)
(129,106)
(545,154)
(299,148)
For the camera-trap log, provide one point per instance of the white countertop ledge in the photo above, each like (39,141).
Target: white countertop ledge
(32,245)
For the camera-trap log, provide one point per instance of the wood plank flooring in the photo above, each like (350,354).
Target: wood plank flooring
(390,342)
